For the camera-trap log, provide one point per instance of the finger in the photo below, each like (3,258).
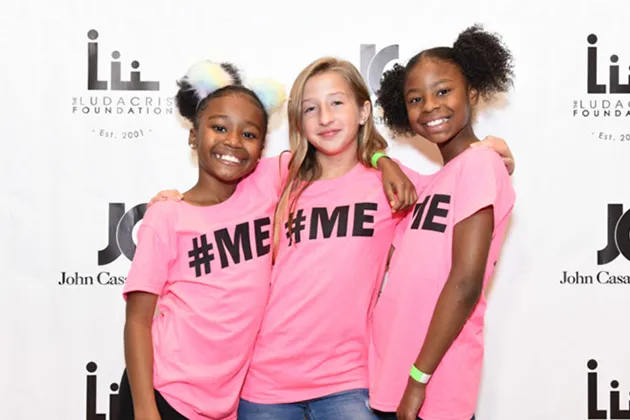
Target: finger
(405,197)
(155,200)
(410,193)
(171,195)
(479,144)
(415,195)
(412,196)
(391,195)
(509,164)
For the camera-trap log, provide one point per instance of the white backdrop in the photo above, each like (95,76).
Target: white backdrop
(65,167)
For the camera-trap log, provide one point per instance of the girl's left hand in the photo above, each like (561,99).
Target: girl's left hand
(412,401)
(399,189)
(500,146)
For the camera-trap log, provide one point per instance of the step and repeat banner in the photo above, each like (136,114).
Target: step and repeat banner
(90,133)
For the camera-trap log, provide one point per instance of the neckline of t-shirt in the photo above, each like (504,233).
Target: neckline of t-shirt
(456,158)
(219,206)
(340,181)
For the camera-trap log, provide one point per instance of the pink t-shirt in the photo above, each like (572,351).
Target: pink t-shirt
(211,268)
(419,269)
(313,340)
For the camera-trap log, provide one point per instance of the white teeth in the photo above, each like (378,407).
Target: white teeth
(229,158)
(437,122)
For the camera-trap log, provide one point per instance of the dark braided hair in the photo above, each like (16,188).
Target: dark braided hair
(483,59)
(190,106)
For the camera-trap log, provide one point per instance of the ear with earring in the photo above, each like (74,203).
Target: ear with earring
(192,140)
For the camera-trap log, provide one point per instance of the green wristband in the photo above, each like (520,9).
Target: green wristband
(375,157)
(419,376)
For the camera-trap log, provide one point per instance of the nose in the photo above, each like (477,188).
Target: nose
(233,138)
(325,115)
(430,104)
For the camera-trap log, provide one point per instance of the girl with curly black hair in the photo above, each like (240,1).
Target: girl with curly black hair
(426,347)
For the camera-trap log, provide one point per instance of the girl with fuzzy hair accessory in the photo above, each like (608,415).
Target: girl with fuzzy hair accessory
(426,348)
(189,361)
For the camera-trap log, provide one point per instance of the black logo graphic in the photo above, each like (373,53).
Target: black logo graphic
(238,246)
(115,83)
(201,255)
(433,212)
(338,221)
(373,64)
(618,235)
(594,410)
(120,232)
(614,80)
(90,398)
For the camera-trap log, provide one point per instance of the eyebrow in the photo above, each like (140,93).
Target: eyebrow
(439,82)
(211,117)
(330,94)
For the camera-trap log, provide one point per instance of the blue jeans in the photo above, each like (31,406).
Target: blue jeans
(392,416)
(347,405)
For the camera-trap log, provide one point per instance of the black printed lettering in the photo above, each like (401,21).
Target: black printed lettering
(435,211)
(241,242)
(361,218)
(261,235)
(418,211)
(338,217)
(297,226)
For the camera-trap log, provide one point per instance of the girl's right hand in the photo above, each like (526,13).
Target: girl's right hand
(166,195)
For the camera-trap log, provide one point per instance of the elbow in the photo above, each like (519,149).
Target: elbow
(138,323)
(469,291)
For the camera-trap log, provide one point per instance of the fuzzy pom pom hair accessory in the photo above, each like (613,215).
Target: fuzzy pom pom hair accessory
(205,77)
(271,93)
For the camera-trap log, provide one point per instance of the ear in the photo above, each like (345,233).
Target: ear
(365,111)
(473,96)
(192,138)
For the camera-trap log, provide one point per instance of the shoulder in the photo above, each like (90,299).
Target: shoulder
(273,165)
(483,169)
(482,156)
(161,215)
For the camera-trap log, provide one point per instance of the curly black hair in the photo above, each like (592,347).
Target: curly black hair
(484,60)
(190,106)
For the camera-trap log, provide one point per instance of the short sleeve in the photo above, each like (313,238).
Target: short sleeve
(271,172)
(482,181)
(155,250)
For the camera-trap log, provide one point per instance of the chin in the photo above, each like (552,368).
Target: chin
(233,174)
(436,138)
(231,178)
(330,152)
(333,149)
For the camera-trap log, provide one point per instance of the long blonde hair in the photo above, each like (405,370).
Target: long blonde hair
(303,167)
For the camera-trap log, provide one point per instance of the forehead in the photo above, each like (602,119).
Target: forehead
(235,105)
(430,70)
(325,84)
